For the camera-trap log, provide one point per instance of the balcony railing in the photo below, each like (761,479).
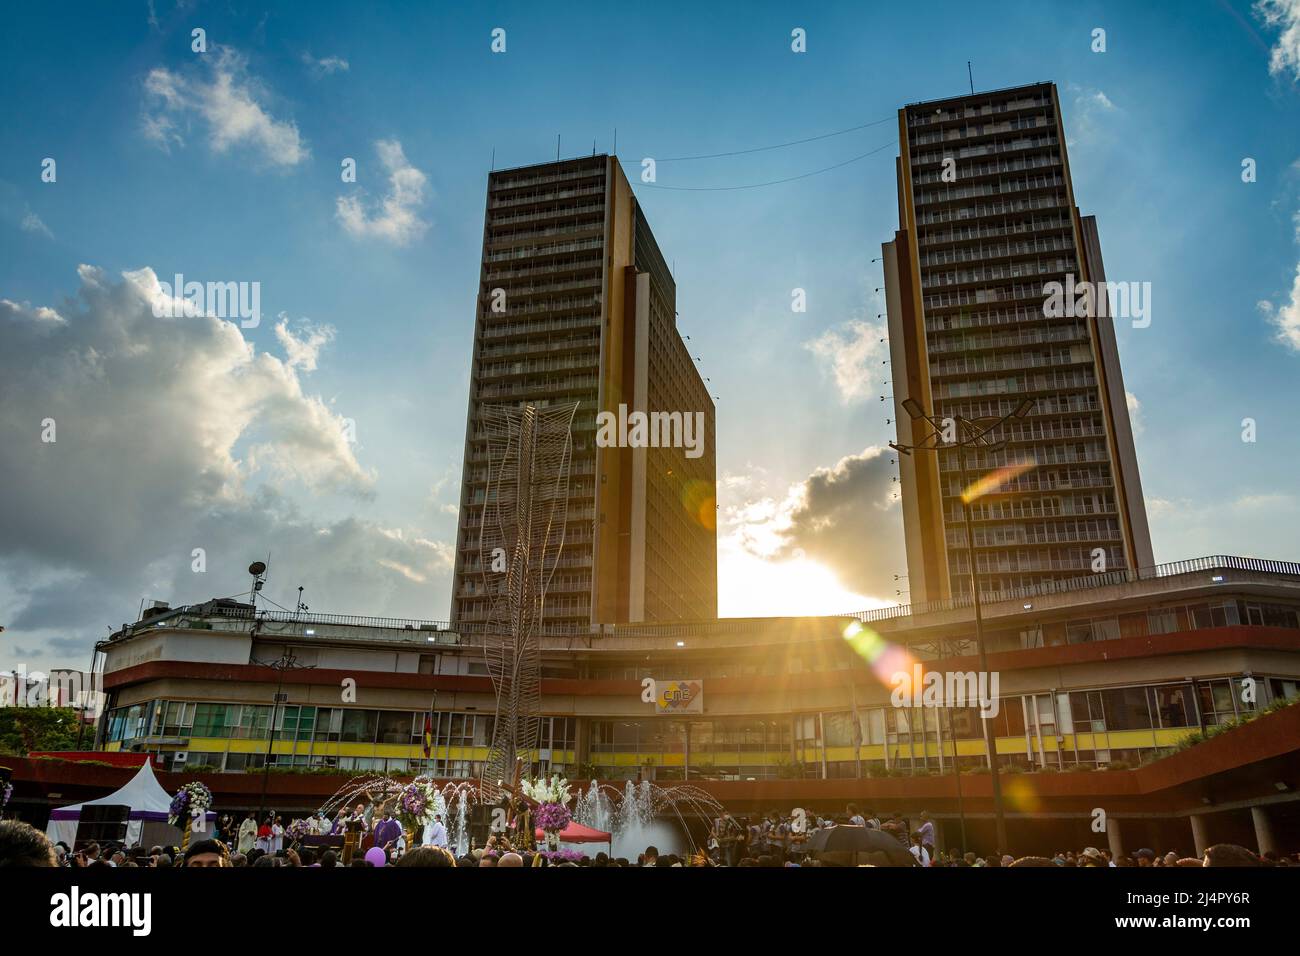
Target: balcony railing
(1089,582)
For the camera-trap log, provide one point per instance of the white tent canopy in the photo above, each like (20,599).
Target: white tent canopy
(146,802)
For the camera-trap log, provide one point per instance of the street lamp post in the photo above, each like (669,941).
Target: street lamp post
(956,773)
(961,433)
(286,661)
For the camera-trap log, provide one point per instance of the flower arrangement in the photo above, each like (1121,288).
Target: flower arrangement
(299,829)
(555,790)
(564,856)
(553,817)
(416,803)
(191,799)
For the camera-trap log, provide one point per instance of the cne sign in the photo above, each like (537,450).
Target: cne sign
(674,696)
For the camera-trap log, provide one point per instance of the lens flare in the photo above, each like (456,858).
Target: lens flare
(698,500)
(1021,795)
(884,658)
(994,480)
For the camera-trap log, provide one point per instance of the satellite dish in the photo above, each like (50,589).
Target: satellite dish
(256,568)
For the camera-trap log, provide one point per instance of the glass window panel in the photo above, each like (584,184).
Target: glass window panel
(359,726)
(838,728)
(1106,630)
(1173,705)
(1078,632)
(1162,621)
(1126,709)
(394,726)
(1222,698)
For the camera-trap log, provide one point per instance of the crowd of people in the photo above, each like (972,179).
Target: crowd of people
(772,839)
(777,839)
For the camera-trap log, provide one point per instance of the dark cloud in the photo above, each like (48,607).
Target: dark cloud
(845,517)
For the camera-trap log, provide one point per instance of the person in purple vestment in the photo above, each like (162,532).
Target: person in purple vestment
(387,831)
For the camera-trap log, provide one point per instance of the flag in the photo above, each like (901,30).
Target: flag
(428,734)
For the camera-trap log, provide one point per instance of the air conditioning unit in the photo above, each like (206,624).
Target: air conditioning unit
(180,757)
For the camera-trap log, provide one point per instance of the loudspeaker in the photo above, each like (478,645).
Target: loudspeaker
(480,824)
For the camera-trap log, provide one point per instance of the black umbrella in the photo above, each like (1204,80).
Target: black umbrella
(851,839)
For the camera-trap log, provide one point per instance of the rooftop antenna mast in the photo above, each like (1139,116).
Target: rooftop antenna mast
(258,570)
(970,76)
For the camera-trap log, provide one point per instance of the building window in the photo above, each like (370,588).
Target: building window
(1126,709)
(1172,705)
(1162,621)
(359,727)
(213,720)
(394,726)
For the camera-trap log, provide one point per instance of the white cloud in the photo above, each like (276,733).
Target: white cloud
(1091,107)
(1285,15)
(1159,507)
(325,65)
(32,223)
(229,101)
(1272,501)
(1134,413)
(1285,319)
(303,350)
(41,314)
(1101,101)
(111,374)
(165,430)
(853,354)
(397,220)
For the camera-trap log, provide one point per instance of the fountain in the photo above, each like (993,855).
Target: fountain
(645,814)
(637,816)
(451,801)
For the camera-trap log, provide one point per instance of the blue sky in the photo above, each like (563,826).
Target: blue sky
(225,166)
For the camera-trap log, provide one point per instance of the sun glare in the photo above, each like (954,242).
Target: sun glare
(750,586)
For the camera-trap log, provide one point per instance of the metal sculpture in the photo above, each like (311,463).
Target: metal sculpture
(521,537)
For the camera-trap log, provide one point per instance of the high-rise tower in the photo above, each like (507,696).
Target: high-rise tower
(988,221)
(576,305)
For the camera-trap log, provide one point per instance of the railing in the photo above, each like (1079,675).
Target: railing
(467,633)
(1220,562)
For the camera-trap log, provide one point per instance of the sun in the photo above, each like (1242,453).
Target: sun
(751,586)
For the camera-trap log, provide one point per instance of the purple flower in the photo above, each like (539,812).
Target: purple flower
(179,809)
(553,817)
(564,856)
(299,829)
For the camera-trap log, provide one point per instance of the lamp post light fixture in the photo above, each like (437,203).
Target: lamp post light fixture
(286,661)
(960,433)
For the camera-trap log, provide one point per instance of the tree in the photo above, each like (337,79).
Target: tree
(24,729)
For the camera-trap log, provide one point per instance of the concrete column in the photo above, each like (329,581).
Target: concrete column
(1200,834)
(1263,830)
(581,740)
(1114,838)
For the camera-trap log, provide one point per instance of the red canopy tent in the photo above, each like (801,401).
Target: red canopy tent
(575,832)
